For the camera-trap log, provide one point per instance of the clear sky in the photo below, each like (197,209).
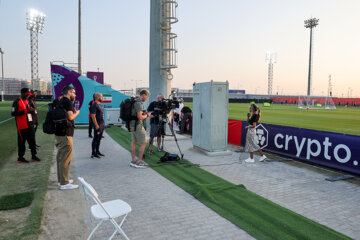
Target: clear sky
(219,40)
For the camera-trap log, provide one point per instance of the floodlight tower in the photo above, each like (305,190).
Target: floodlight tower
(330,87)
(35,24)
(162,46)
(2,75)
(310,23)
(270,60)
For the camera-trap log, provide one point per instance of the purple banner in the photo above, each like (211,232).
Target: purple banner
(62,76)
(96,76)
(335,150)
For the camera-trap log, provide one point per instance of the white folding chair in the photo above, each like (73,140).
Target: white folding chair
(107,210)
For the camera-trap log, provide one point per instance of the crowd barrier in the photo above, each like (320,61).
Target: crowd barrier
(334,150)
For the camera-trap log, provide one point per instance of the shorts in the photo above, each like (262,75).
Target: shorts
(155,130)
(139,135)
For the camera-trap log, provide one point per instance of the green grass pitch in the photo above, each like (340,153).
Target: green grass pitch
(340,120)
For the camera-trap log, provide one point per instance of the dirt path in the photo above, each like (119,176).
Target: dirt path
(64,211)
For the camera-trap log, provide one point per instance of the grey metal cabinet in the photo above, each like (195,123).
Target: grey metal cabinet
(210,115)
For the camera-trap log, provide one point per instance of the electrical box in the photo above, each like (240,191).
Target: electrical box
(112,116)
(210,116)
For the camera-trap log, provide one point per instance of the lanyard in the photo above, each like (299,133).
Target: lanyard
(23,103)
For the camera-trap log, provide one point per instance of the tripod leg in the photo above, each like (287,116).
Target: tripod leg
(173,133)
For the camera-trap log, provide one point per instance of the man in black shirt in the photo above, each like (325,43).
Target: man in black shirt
(156,129)
(90,119)
(186,114)
(97,116)
(64,139)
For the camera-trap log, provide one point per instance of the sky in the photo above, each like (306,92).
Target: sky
(217,40)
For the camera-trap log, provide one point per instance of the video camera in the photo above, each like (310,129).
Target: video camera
(164,106)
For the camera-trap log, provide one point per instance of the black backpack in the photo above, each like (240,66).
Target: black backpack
(125,112)
(56,120)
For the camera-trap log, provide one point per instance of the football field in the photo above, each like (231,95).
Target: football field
(340,120)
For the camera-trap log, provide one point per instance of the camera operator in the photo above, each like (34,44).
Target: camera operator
(186,114)
(138,133)
(156,127)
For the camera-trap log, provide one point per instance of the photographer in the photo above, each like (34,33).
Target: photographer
(137,130)
(186,114)
(156,127)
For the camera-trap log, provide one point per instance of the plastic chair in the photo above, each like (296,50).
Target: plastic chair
(106,211)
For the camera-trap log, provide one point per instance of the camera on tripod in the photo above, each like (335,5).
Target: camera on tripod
(164,106)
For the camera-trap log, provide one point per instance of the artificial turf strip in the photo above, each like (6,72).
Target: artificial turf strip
(16,201)
(256,215)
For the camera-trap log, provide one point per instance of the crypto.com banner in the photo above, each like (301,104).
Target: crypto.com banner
(339,151)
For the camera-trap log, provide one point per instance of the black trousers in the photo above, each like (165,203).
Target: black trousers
(97,138)
(183,122)
(90,126)
(29,136)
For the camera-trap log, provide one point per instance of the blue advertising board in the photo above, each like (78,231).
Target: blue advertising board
(335,150)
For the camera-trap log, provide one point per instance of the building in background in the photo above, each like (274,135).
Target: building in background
(13,86)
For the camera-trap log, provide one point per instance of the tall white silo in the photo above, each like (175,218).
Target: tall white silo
(162,46)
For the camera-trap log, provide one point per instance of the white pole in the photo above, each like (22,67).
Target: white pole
(2,76)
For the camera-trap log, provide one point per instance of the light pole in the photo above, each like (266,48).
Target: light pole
(79,40)
(270,60)
(310,23)
(136,81)
(35,24)
(2,75)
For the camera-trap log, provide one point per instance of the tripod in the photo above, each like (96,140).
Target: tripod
(161,131)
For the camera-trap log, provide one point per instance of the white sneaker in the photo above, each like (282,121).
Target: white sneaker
(68,186)
(132,164)
(250,160)
(70,181)
(139,165)
(262,158)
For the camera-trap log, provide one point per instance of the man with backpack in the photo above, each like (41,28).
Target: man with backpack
(21,110)
(64,137)
(131,112)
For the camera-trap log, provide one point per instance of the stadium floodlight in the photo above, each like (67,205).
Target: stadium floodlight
(310,23)
(35,22)
(2,76)
(270,60)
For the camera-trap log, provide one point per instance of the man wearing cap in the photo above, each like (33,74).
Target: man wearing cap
(22,111)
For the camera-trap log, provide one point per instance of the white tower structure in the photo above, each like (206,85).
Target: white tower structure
(330,87)
(310,23)
(35,24)
(270,60)
(162,46)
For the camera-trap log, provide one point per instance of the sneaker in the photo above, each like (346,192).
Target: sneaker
(68,186)
(132,164)
(262,158)
(250,160)
(35,159)
(70,181)
(100,154)
(95,156)
(22,160)
(143,163)
(150,152)
(160,149)
(139,165)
